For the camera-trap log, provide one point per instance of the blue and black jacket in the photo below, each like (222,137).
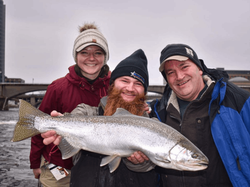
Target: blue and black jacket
(229,115)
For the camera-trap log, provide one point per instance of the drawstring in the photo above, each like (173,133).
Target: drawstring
(52,152)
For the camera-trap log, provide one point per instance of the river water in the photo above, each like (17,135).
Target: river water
(14,156)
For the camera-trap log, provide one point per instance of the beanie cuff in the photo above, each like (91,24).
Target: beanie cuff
(131,71)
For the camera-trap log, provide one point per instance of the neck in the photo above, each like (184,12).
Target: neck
(90,76)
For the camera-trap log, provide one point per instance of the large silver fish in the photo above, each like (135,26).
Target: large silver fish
(117,136)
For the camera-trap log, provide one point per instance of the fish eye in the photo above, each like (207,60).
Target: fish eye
(194,155)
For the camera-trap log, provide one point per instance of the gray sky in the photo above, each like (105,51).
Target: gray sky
(40,33)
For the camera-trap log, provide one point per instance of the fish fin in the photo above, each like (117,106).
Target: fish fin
(25,126)
(113,161)
(121,111)
(66,149)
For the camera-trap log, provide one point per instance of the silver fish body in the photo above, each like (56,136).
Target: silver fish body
(119,136)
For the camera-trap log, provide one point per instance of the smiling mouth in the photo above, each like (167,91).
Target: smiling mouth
(128,94)
(90,65)
(182,83)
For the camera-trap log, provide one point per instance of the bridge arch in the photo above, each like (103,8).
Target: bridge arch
(11,90)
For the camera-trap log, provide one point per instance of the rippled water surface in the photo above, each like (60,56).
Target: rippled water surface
(14,156)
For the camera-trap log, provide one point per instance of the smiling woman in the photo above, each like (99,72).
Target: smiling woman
(87,82)
(90,60)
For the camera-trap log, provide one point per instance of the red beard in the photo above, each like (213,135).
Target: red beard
(115,101)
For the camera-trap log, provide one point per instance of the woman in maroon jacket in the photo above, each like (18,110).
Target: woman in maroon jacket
(87,82)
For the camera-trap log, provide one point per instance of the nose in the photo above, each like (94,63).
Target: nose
(91,56)
(130,87)
(179,75)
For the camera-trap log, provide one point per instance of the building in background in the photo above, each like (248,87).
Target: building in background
(2,41)
(13,80)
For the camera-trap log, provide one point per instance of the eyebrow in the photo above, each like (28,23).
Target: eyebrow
(183,63)
(180,65)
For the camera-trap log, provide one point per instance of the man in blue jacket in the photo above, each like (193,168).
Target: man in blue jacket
(210,111)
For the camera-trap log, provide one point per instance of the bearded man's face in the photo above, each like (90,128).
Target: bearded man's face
(129,86)
(129,98)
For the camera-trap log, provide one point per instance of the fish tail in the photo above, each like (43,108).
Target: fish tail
(25,126)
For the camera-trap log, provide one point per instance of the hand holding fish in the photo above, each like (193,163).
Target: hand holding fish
(51,136)
(137,157)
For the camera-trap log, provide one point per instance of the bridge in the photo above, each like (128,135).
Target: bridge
(10,91)
(15,91)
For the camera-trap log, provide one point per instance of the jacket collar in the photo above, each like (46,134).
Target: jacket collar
(77,80)
(173,98)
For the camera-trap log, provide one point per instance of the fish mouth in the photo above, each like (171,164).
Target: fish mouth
(199,166)
(204,164)
(192,167)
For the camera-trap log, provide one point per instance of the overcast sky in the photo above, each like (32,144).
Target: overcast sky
(40,33)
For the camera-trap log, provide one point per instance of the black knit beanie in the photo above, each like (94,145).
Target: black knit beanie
(134,66)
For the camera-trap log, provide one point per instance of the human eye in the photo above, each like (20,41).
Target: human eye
(138,83)
(98,53)
(185,67)
(168,73)
(84,53)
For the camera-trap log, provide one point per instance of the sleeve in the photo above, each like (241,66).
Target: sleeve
(245,114)
(51,100)
(86,110)
(143,167)
(48,104)
(36,150)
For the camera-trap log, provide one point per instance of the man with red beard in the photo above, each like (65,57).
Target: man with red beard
(128,87)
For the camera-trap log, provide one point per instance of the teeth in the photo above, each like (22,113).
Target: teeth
(91,65)
(129,94)
(183,83)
